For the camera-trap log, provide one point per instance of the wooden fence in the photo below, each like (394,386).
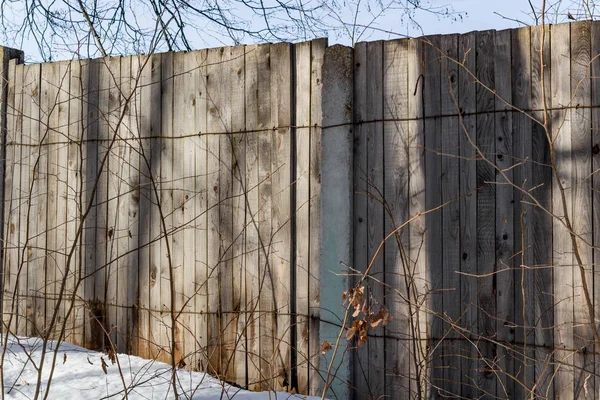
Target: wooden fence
(176,186)
(187,188)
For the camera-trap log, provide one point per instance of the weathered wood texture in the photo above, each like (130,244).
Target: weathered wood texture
(491,281)
(169,206)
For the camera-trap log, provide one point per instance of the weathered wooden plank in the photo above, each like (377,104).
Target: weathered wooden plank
(64,71)
(525,356)
(281,166)
(74,201)
(302,211)
(225,227)
(486,211)
(183,191)
(252,250)
(151,111)
(505,204)
(201,188)
(542,226)
(11,211)
(51,84)
(265,190)
(22,196)
(361,256)
(166,205)
(580,136)
(375,211)
(122,232)
(214,125)
(450,362)
(426,249)
(562,184)
(114,163)
(90,81)
(102,222)
(237,366)
(144,121)
(595,139)
(468,213)
(395,155)
(39,194)
(134,245)
(314,279)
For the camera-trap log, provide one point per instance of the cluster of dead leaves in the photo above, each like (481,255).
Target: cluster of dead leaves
(370,319)
(355,297)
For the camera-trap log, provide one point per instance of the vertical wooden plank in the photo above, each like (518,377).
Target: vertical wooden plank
(451,300)
(542,226)
(90,81)
(101,223)
(396,149)
(166,204)
(183,235)
(583,331)
(281,165)
(11,203)
(375,211)
(252,250)
(124,191)
(505,204)
(114,172)
(314,283)
(28,205)
(213,88)
(134,245)
(145,196)
(51,82)
(200,155)
(595,141)
(225,227)
(563,260)
(361,260)
(265,190)
(524,321)
(64,71)
(302,211)
(486,211)
(237,365)
(22,194)
(39,194)
(468,212)
(152,100)
(426,249)
(74,201)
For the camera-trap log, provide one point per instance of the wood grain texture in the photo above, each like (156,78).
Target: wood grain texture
(396,153)
(318,48)
(542,226)
(468,211)
(302,211)
(504,223)
(451,300)
(580,135)
(562,182)
(361,256)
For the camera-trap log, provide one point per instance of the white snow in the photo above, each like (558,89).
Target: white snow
(79,375)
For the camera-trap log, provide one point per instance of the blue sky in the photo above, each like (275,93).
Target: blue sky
(478,15)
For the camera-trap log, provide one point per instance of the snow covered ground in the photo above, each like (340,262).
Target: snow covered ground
(79,375)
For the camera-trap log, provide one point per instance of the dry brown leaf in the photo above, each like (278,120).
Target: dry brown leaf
(104,365)
(325,347)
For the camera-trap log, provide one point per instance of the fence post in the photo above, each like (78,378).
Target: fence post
(6,54)
(336,209)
